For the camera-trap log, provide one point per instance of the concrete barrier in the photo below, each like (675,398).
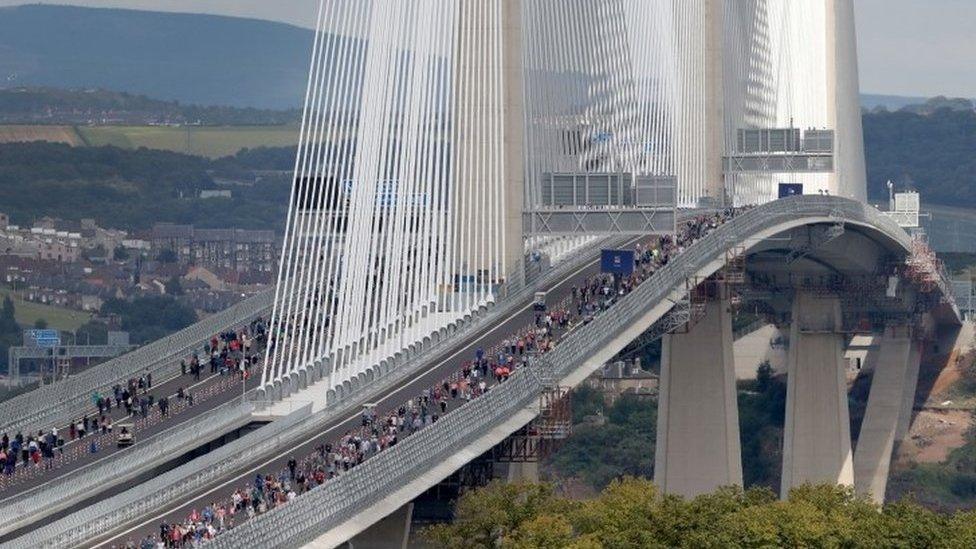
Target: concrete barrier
(330,397)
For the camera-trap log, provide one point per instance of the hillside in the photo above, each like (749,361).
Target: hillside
(194,59)
(31,105)
(932,153)
(133,189)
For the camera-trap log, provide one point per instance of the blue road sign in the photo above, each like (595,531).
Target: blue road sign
(617,261)
(790,189)
(47,339)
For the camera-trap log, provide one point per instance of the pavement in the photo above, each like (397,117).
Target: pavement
(211,391)
(448,362)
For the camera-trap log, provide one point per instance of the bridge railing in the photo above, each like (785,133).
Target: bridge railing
(106,515)
(31,505)
(181,483)
(59,402)
(358,491)
(343,497)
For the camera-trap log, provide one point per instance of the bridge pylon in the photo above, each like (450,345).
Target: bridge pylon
(698,446)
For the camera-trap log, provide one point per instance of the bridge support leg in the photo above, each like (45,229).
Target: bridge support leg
(523,471)
(391,532)
(817,438)
(889,388)
(698,446)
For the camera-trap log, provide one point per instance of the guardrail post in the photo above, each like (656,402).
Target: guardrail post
(303,378)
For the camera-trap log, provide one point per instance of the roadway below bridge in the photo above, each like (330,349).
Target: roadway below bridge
(447,363)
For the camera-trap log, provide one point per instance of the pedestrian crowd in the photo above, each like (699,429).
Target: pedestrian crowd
(473,378)
(232,355)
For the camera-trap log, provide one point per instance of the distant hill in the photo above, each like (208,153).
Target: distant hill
(194,59)
(871,101)
(31,105)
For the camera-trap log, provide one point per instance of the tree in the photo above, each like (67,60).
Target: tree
(173,286)
(92,333)
(40,324)
(120,254)
(150,318)
(167,256)
(624,446)
(10,333)
(632,513)
(764,376)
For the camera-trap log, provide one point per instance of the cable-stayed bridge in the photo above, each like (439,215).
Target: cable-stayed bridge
(457,158)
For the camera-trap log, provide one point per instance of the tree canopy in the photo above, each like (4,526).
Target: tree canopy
(133,189)
(633,514)
(933,153)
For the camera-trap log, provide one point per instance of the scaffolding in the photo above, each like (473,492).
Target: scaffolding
(922,266)
(543,435)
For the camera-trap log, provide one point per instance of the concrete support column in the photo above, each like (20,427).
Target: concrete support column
(849,178)
(514,131)
(817,438)
(389,533)
(524,471)
(698,446)
(879,431)
(715,99)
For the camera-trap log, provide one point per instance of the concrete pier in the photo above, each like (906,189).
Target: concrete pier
(890,387)
(392,532)
(817,437)
(698,446)
(523,472)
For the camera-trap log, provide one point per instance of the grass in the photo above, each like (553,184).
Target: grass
(27,313)
(208,141)
(54,134)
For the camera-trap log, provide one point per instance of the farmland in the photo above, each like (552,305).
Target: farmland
(207,141)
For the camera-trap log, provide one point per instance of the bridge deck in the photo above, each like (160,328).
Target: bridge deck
(443,367)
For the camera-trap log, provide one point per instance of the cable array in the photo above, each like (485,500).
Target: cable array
(793,64)
(616,86)
(430,125)
(396,224)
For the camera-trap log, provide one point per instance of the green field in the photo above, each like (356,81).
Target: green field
(27,313)
(209,141)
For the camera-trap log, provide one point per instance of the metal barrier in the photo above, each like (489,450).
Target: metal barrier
(67,399)
(965,292)
(106,515)
(30,506)
(181,483)
(330,505)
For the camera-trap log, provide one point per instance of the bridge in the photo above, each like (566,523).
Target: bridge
(464,157)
